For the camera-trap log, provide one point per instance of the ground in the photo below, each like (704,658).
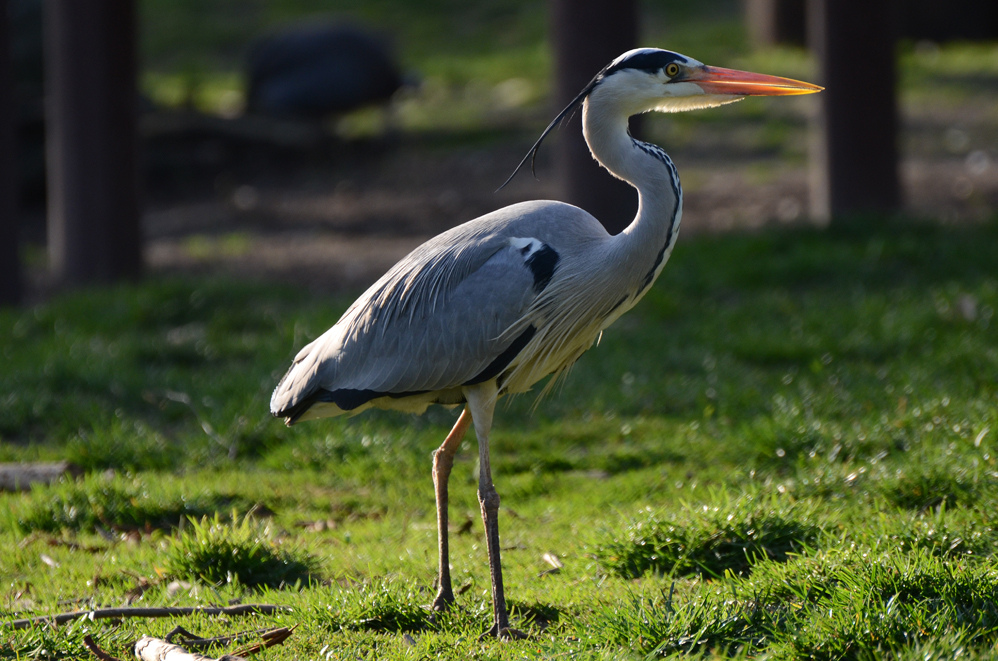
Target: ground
(817,407)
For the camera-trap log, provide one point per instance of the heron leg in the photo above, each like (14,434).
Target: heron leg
(481,402)
(443,459)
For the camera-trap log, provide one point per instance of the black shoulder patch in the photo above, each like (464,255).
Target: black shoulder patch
(649,60)
(542,265)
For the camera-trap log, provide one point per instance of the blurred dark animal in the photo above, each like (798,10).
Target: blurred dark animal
(313,71)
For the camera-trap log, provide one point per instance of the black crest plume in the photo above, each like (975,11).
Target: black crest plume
(646,59)
(562,116)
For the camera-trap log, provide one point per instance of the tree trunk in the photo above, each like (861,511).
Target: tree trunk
(93,213)
(10,261)
(588,34)
(773,22)
(854,156)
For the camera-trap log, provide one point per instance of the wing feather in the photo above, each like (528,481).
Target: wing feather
(450,309)
(431,323)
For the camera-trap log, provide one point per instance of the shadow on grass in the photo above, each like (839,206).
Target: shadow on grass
(116,504)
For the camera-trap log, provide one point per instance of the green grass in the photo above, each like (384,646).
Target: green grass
(240,551)
(787,449)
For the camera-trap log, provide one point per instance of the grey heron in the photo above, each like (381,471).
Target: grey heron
(493,306)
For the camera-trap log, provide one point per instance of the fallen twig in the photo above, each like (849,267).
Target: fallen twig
(268,639)
(153,649)
(193,640)
(269,635)
(129,611)
(89,643)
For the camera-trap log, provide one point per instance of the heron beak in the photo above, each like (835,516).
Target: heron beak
(717,80)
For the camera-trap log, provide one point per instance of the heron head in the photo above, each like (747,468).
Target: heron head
(647,79)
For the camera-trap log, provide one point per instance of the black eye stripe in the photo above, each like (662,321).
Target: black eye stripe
(651,61)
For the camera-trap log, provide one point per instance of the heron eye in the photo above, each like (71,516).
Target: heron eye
(671,70)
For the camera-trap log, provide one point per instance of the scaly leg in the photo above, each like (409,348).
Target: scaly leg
(481,402)
(443,459)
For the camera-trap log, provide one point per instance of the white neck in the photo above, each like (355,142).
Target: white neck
(647,242)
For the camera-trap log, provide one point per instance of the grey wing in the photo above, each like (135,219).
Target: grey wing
(432,324)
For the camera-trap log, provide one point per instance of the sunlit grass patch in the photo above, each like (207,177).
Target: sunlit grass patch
(958,534)
(114,504)
(835,605)
(384,605)
(924,486)
(888,602)
(712,540)
(707,622)
(45,642)
(240,551)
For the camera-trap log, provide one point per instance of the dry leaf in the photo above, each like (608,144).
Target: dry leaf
(175,587)
(318,526)
(552,560)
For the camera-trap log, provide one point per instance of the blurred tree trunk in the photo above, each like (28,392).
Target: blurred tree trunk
(854,156)
(772,22)
(10,262)
(93,205)
(588,35)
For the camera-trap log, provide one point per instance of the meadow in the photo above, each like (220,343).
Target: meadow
(788,448)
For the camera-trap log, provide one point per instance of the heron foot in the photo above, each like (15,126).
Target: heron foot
(442,602)
(505,633)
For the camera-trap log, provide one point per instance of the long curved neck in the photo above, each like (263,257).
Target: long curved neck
(650,236)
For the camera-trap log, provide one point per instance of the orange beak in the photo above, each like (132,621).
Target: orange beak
(716,80)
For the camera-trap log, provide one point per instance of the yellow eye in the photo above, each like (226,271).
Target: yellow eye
(672,70)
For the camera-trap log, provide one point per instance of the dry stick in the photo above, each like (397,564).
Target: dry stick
(268,639)
(173,611)
(269,636)
(89,643)
(154,649)
(192,640)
